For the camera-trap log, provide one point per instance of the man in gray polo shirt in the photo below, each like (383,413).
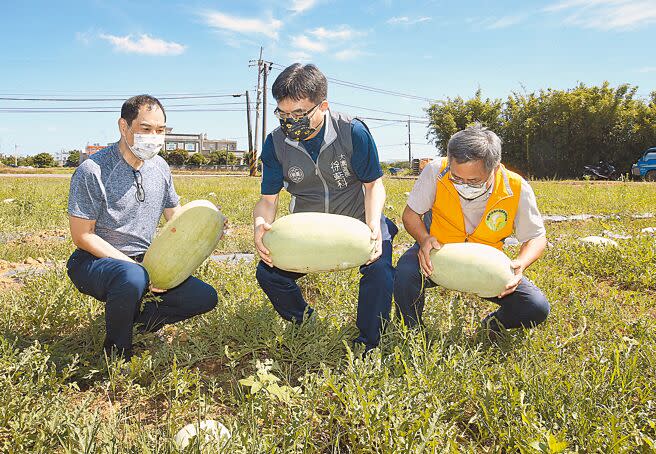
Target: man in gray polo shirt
(116,200)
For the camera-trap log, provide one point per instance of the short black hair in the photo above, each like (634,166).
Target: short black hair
(298,82)
(130,108)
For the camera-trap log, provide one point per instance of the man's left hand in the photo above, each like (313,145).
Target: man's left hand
(376,235)
(518,268)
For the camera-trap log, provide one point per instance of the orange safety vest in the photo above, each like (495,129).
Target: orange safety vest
(448,223)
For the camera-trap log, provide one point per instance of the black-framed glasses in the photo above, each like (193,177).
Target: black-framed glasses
(138,180)
(477,185)
(296,115)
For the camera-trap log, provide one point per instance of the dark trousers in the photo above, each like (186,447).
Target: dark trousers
(121,285)
(526,307)
(374,297)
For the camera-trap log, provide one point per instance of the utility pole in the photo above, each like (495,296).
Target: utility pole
(15,155)
(253,163)
(263,68)
(266,67)
(409,145)
(248,121)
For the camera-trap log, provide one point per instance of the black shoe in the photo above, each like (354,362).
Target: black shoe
(491,330)
(112,352)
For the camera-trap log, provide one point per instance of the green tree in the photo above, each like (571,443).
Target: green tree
(197,159)
(231,159)
(73,159)
(43,160)
(218,157)
(554,133)
(450,116)
(25,161)
(177,157)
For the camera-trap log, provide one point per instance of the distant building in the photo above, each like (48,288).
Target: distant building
(191,143)
(61,157)
(194,143)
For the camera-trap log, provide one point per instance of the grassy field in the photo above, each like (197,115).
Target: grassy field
(584,381)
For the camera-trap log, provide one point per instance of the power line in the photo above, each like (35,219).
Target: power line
(167,106)
(22,98)
(368,87)
(377,110)
(101,110)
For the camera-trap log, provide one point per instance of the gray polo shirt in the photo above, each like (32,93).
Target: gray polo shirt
(103,189)
(528,221)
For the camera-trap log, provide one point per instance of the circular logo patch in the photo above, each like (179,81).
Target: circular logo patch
(295,174)
(496,220)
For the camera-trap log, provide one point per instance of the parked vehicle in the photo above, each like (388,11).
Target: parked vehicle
(601,171)
(646,165)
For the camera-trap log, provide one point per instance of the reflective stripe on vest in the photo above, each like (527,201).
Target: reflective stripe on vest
(448,224)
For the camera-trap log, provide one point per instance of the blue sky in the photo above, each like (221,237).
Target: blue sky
(431,49)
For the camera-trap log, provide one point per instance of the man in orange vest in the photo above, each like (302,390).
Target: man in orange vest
(471,196)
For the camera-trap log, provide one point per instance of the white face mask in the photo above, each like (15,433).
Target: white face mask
(469,192)
(146,146)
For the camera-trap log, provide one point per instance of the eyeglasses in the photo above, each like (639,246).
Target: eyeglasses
(138,179)
(477,185)
(296,115)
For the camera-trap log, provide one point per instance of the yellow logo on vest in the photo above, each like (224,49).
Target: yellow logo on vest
(496,220)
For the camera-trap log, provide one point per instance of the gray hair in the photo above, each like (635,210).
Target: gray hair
(475,143)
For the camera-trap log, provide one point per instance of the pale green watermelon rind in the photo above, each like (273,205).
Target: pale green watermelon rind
(205,229)
(318,242)
(471,268)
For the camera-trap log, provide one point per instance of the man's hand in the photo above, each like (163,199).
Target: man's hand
(155,289)
(376,235)
(518,268)
(425,247)
(261,228)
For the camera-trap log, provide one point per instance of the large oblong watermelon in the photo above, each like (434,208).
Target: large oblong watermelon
(183,244)
(318,242)
(471,268)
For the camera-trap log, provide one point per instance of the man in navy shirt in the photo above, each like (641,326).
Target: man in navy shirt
(329,163)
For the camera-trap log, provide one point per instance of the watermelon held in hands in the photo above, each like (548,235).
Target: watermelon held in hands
(471,268)
(183,244)
(318,242)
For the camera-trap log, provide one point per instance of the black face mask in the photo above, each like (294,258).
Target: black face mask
(297,129)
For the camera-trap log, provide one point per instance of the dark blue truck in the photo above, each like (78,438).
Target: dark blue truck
(646,166)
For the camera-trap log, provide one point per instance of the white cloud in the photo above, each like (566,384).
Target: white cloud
(405,20)
(304,43)
(84,37)
(300,6)
(299,56)
(648,69)
(341,33)
(504,22)
(321,40)
(243,25)
(146,45)
(606,14)
(349,54)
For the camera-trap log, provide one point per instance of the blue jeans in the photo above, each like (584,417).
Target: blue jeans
(121,285)
(526,307)
(374,297)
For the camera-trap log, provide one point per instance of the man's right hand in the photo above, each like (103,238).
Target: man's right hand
(425,247)
(259,231)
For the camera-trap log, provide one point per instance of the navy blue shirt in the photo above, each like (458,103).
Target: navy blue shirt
(365,162)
